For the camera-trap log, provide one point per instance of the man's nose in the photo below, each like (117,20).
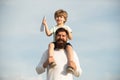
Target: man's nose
(61,37)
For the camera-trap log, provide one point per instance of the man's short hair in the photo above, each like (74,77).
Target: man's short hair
(61,30)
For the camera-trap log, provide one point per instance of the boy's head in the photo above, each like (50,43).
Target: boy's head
(60,13)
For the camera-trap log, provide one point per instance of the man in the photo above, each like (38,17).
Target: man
(59,72)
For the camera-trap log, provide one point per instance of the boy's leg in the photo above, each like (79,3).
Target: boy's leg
(50,55)
(71,64)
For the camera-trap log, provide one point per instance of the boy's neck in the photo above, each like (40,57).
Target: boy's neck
(60,25)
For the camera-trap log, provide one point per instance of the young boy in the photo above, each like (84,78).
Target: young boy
(60,18)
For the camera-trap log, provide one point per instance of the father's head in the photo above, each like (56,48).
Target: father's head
(61,37)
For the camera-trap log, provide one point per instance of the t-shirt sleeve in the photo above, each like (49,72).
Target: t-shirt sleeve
(52,30)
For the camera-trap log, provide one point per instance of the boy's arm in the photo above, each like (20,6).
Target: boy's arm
(69,32)
(44,22)
(69,35)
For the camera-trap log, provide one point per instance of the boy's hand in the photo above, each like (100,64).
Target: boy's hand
(44,22)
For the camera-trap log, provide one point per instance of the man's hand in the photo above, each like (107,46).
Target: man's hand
(45,63)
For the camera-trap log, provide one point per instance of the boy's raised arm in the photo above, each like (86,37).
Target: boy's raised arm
(44,22)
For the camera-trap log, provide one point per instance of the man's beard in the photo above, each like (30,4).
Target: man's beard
(60,44)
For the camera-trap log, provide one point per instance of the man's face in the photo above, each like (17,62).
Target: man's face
(61,39)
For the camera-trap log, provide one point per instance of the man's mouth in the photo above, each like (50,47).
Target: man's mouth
(60,41)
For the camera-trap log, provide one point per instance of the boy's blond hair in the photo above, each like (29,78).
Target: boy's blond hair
(61,12)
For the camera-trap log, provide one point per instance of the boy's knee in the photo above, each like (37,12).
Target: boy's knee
(51,45)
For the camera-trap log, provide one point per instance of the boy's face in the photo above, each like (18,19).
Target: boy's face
(60,20)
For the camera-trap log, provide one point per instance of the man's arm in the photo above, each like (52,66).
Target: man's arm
(42,64)
(45,64)
(78,72)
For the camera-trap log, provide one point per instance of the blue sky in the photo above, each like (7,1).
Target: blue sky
(96,36)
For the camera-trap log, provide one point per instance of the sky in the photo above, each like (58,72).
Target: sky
(96,37)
